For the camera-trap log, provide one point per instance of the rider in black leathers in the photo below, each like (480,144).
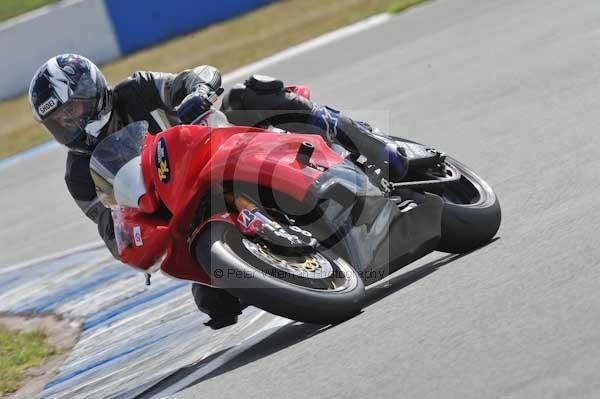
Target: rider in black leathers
(70,97)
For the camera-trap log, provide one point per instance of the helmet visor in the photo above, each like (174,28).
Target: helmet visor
(68,122)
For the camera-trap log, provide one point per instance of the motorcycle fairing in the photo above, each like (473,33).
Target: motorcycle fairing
(397,238)
(201,157)
(353,210)
(373,231)
(142,238)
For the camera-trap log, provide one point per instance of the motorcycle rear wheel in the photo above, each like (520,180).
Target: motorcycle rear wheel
(471,216)
(258,277)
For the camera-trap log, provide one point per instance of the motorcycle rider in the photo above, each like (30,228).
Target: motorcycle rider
(71,98)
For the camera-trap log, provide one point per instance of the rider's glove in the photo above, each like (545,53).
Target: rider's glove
(200,100)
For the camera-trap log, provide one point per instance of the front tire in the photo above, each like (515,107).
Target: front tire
(247,272)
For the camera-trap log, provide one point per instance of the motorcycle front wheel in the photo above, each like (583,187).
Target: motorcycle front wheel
(315,288)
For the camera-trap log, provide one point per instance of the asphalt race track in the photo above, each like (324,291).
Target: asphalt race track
(509,88)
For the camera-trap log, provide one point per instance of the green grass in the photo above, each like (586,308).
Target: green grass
(401,5)
(18,352)
(227,46)
(12,8)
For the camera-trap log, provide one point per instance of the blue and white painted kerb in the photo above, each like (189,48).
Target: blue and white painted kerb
(133,336)
(101,30)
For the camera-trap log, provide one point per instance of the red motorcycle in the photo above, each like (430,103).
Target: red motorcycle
(282,221)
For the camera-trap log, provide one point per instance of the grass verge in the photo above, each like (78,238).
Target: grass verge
(401,5)
(227,46)
(12,8)
(18,352)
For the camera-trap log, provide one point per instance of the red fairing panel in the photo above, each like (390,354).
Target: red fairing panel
(181,264)
(194,156)
(148,238)
(270,160)
(182,163)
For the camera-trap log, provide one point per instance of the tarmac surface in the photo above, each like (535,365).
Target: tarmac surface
(509,88)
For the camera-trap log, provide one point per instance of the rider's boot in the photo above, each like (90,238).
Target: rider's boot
(360,138)
(222,307)
(263,101)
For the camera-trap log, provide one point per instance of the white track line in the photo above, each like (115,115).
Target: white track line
(92,245)
(244,71)
(39,149)
(312,44)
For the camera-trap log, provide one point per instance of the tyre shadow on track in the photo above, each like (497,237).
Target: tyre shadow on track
(284,338)
(380,290)
(295,333)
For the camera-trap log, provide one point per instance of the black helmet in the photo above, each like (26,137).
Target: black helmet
(70,97)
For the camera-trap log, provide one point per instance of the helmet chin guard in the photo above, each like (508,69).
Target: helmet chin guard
(94,128)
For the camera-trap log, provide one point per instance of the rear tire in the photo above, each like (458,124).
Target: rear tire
(226,257)
(471,216)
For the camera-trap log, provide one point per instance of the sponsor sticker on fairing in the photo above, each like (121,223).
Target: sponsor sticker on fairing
(137,236)
(245,218)
(49,105)
(162,161)
(248,222)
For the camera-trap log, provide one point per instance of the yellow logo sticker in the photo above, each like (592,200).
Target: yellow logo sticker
(162,161)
